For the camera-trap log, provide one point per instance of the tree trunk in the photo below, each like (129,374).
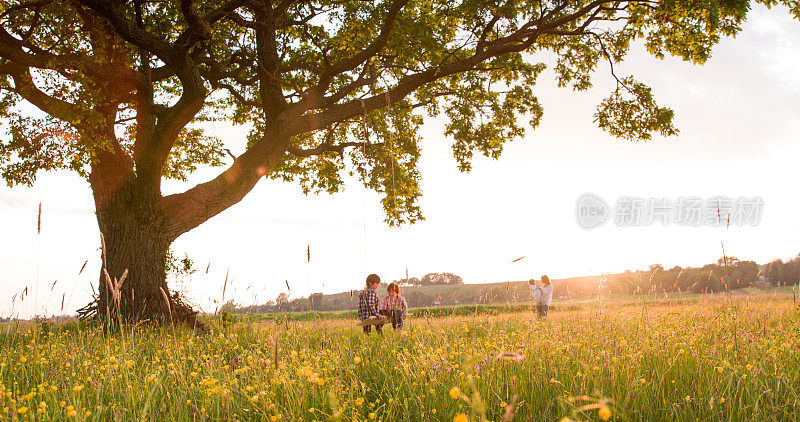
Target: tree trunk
(133,223)
(138,224)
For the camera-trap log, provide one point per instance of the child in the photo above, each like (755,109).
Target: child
(368,303)
(394,306)
(543,295)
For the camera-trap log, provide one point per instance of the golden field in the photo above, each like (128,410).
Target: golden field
(723,357)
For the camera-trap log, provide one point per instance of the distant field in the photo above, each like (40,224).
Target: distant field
(663,299)
(676,357)
(710,279)
(447,295)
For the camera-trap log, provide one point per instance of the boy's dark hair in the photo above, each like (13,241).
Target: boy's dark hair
(373,279)
(393,287)
(545,279)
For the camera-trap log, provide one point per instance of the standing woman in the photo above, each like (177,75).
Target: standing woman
(394,306)
(543,295)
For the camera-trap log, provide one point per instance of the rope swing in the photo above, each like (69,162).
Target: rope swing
(392,156)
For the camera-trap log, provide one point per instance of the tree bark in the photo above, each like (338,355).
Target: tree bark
(138,225)
(133,225)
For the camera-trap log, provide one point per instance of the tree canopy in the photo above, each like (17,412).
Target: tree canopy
(325,83)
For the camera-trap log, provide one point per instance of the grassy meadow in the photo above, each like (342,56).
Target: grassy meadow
(722,357)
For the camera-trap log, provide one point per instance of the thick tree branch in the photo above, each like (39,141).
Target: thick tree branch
(198,29)
(485,33)
(407,85)
(60,109)
(25,5)
(129,32)
(189,209)
(193,207)
(151,152)
(313,96)
(269,88)
(226,9)
(377,44)
(31,56)
(576,15)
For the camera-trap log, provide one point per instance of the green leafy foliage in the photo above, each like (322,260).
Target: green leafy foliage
(192,148)
(341,87)
(39,144)
(631,113)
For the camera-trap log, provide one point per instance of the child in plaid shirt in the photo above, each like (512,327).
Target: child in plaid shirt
(394,306)
(368,303)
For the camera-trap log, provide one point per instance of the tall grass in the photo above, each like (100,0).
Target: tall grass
(724,358)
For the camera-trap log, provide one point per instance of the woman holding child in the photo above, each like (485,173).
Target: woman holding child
(543,295)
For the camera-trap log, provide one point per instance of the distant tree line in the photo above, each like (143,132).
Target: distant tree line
(726,274)
(436,289)
(432,279)
(780,272)
(314,302)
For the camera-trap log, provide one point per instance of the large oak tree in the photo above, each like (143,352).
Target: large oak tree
(124,88)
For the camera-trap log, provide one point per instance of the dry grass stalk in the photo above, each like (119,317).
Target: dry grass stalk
(169,308)
(225,285)
(510,356)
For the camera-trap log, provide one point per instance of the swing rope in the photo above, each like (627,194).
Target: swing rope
(392,157)
(363,206)
(391,153)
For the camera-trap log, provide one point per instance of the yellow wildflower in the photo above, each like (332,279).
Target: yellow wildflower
(604,413)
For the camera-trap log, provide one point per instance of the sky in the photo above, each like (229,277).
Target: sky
(739,121)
